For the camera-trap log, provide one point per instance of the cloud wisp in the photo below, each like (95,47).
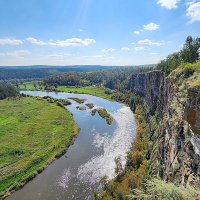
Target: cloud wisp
(149,42)
(148,27)
(16,53)
(75,42)
(193,11)
(108,50)
(9,41)
(169,4)
(139,48)
(125,49)
(151,26)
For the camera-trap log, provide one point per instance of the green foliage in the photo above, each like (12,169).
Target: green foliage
(116,79)
(34,85)
(32,133)
(80,101)
(104,114)
(196,84)
(7,90)
(189,54)
(170,63)
(157,189)
(96,91)
(90,105)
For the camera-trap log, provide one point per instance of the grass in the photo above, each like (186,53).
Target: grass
(196,83)
(95,91)
(30,86)
(90,105)
(32,133)
(158,189)
(104,114)
(78,100)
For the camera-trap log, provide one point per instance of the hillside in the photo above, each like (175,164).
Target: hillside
(167,142)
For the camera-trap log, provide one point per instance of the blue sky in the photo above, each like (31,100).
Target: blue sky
(105,32)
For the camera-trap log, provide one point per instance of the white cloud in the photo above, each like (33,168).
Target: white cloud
(169,4)
(108,50)
(76,42)
(151,26)
(125,49)
(149,42)
(139,48)
(16,53)
(193,11)
(35,41)
(137,32)
(148,27)
(8,41)
(73,42)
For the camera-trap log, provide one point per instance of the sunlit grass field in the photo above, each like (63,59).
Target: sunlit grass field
(32,134)
(95,91)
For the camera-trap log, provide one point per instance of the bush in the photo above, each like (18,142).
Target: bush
(7,90)
(157,189)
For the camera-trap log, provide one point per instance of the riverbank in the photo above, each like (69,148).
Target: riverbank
(92,90)
(33,133)
(90,158)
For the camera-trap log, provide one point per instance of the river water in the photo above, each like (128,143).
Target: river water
(76,174)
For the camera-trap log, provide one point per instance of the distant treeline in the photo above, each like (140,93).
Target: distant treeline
(113,78)
(7,90)
(29,73)
(40,72)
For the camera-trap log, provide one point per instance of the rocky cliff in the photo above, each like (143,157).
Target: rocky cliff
(176,105)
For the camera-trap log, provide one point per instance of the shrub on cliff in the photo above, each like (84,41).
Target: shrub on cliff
(158,189)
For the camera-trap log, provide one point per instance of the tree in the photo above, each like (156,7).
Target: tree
(118,165)
(190,51)
(7,90)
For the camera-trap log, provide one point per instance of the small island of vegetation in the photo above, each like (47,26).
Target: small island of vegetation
(81,107)
(80,101)
(104,114)
(90,105)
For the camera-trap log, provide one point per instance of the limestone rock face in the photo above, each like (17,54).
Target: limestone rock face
(177,108)
(150,86)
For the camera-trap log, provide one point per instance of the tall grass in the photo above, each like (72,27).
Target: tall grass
(158,189)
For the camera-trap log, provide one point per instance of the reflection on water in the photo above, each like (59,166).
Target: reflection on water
(76,174)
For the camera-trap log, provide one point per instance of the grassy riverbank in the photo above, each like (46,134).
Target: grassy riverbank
(32,133)
(95,91)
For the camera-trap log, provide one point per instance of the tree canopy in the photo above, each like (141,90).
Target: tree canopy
(188,54)
(7,90)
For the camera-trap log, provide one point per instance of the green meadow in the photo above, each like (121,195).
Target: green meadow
(95,91)
(32,133)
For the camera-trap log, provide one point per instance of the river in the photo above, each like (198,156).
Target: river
(76,174)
